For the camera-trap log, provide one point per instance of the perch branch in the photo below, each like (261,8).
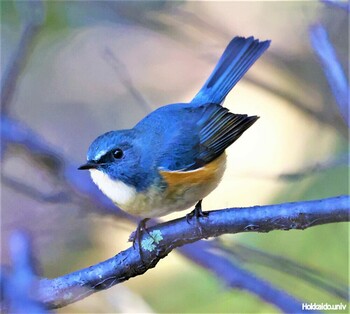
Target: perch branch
(163,238)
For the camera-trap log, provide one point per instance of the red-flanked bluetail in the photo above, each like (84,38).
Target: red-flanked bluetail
(175,156)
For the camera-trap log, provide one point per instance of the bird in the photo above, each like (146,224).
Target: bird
(175,156)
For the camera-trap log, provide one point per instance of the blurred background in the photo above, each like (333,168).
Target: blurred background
(92,67)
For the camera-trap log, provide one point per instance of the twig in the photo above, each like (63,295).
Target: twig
(299,104)
(319,279)
(33,193)
(18,286)
(344,5)
(163,238)
(341,160)
(14,132)
(36,13)
(125,79)
(332,69)
(236,277)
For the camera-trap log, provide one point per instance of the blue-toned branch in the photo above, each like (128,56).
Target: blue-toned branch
(344,5)
(236,277)
(332,69)
(163,238)
(33,16)
(15,132)
(18,285)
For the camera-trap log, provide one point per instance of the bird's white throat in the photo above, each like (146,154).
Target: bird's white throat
(119,192)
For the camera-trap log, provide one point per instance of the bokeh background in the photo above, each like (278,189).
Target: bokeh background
(100,66)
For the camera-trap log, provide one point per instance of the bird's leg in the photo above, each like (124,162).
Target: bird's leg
(141,227)
(196,212)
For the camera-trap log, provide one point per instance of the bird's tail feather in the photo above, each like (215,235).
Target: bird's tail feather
(238,57)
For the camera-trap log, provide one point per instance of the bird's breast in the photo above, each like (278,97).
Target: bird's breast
(177,190)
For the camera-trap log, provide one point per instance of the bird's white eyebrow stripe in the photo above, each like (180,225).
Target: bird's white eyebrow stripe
(100,154)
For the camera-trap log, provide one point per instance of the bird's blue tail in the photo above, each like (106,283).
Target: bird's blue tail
(236,60)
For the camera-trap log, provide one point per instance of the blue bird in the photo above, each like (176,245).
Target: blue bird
(175,156)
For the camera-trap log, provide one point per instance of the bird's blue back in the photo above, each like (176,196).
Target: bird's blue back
(174,135)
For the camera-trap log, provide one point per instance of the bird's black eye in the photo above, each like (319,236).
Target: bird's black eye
(117,153)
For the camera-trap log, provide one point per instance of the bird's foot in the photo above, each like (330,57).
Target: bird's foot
(197,213)
(137,235)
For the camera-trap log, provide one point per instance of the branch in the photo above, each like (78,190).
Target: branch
(332,69)
(301,105)
(125,79)
(322,280)
(240,278)
(163,238)
(337,161)
(33,15)
(15,132)
(19,284)
(344,5)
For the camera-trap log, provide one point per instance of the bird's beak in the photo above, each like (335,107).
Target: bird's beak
(88,165)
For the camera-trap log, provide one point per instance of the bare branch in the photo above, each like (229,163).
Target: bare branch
(344,5)
(125,78)
(34,14)
(319,116)
(332,69)
(29,191)
(15,132)
(236,277)
(320,279)
(163,238)
(19,284)
(341,160)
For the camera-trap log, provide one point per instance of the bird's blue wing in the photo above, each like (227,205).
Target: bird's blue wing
(196,135)
(219,129)
(238,57)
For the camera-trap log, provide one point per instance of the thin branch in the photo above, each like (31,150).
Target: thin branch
(344,5)
(236,277)
(14,132)
(299,104)
(319,279)
(34,13)
(19,284)
(342,160)
(332,69)
(163,238)
(125,79)
(33,193)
